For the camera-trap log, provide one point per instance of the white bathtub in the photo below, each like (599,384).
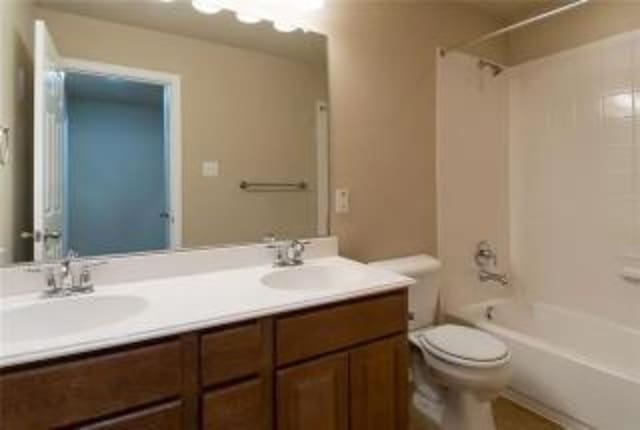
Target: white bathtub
(581,371)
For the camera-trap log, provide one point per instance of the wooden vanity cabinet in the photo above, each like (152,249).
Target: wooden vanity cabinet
(314,395)
(362,389)
(363,386)
(72,393)
(379,385)
(336,367)
(167,416)
(241,406)
(237,377)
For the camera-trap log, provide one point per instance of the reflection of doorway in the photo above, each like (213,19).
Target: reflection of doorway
(145,120)
(115,163)
(107,175)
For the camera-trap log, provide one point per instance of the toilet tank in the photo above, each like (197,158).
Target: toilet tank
(423,295)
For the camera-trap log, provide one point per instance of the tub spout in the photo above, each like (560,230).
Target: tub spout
(500,278)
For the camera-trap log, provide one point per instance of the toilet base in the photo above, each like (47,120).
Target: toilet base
(431,411)
(464,411)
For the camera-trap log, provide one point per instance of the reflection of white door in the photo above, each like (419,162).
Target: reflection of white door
(48,220)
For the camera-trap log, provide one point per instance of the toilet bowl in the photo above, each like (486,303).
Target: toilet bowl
(456,371)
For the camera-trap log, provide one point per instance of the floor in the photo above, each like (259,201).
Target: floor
(508,415)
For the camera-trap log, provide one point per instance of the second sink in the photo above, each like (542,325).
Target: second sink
(312,278)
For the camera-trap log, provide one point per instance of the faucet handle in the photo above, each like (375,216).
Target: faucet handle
(54,276)
(81,282)
(295,250)
(96,263)
(485,255)
(270,240)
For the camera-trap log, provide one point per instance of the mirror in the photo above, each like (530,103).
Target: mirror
(149,126)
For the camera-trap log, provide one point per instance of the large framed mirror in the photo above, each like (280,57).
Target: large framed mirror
(151,126)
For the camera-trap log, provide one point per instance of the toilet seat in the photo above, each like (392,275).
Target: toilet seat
(463,346)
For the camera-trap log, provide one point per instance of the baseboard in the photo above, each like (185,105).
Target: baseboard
(563,420)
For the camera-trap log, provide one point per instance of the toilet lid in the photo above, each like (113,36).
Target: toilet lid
(465,346)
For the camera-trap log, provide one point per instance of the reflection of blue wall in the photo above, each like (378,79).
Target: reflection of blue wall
(116,176)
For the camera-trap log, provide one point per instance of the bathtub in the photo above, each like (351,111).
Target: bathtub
(580,371)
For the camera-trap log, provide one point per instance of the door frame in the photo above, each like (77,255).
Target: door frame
(171,82)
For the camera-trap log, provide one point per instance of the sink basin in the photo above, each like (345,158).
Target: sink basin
(312,278)
(60,317)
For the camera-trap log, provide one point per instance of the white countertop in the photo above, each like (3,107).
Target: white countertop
(184,303)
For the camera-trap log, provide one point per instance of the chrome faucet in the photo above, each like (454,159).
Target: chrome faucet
(53,279)
(288,252)
(486,261)
(69,276)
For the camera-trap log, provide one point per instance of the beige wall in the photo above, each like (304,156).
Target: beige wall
(253,113)
(15,112)
(588,23)
(382,66)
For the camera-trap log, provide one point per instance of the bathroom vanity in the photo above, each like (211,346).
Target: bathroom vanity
(313,358)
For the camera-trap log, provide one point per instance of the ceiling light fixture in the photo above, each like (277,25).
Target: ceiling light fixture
(284,27)
(208,7)
(282,13)
(247,18)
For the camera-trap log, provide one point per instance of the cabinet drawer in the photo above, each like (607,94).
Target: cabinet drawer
(82,389)
(233,353)
(310,333)
(164,417)
(238,407)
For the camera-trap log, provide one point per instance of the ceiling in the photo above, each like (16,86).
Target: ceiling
(511,11)
(179,17)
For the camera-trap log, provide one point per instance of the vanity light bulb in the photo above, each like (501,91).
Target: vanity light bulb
(313,4)
(208,7)
(247,18)
(284,27)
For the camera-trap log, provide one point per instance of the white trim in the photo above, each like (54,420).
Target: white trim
(172,83)
(322,163)
(442,303)
(38,136)
(563,420)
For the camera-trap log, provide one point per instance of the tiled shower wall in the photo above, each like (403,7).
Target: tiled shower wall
(574,174)
(544,161)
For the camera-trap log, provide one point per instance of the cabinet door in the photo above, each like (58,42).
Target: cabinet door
(238,407)
(379,382)
(314,395)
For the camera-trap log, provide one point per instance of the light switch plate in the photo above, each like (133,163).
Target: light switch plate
(343,196)
(210,168)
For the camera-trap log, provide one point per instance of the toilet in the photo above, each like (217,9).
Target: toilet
(456,370)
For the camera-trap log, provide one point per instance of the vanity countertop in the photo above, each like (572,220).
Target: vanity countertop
(162,307)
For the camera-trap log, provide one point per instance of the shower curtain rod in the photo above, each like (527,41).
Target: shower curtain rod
(514,26)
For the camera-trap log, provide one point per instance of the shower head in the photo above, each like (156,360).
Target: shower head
(496,69)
